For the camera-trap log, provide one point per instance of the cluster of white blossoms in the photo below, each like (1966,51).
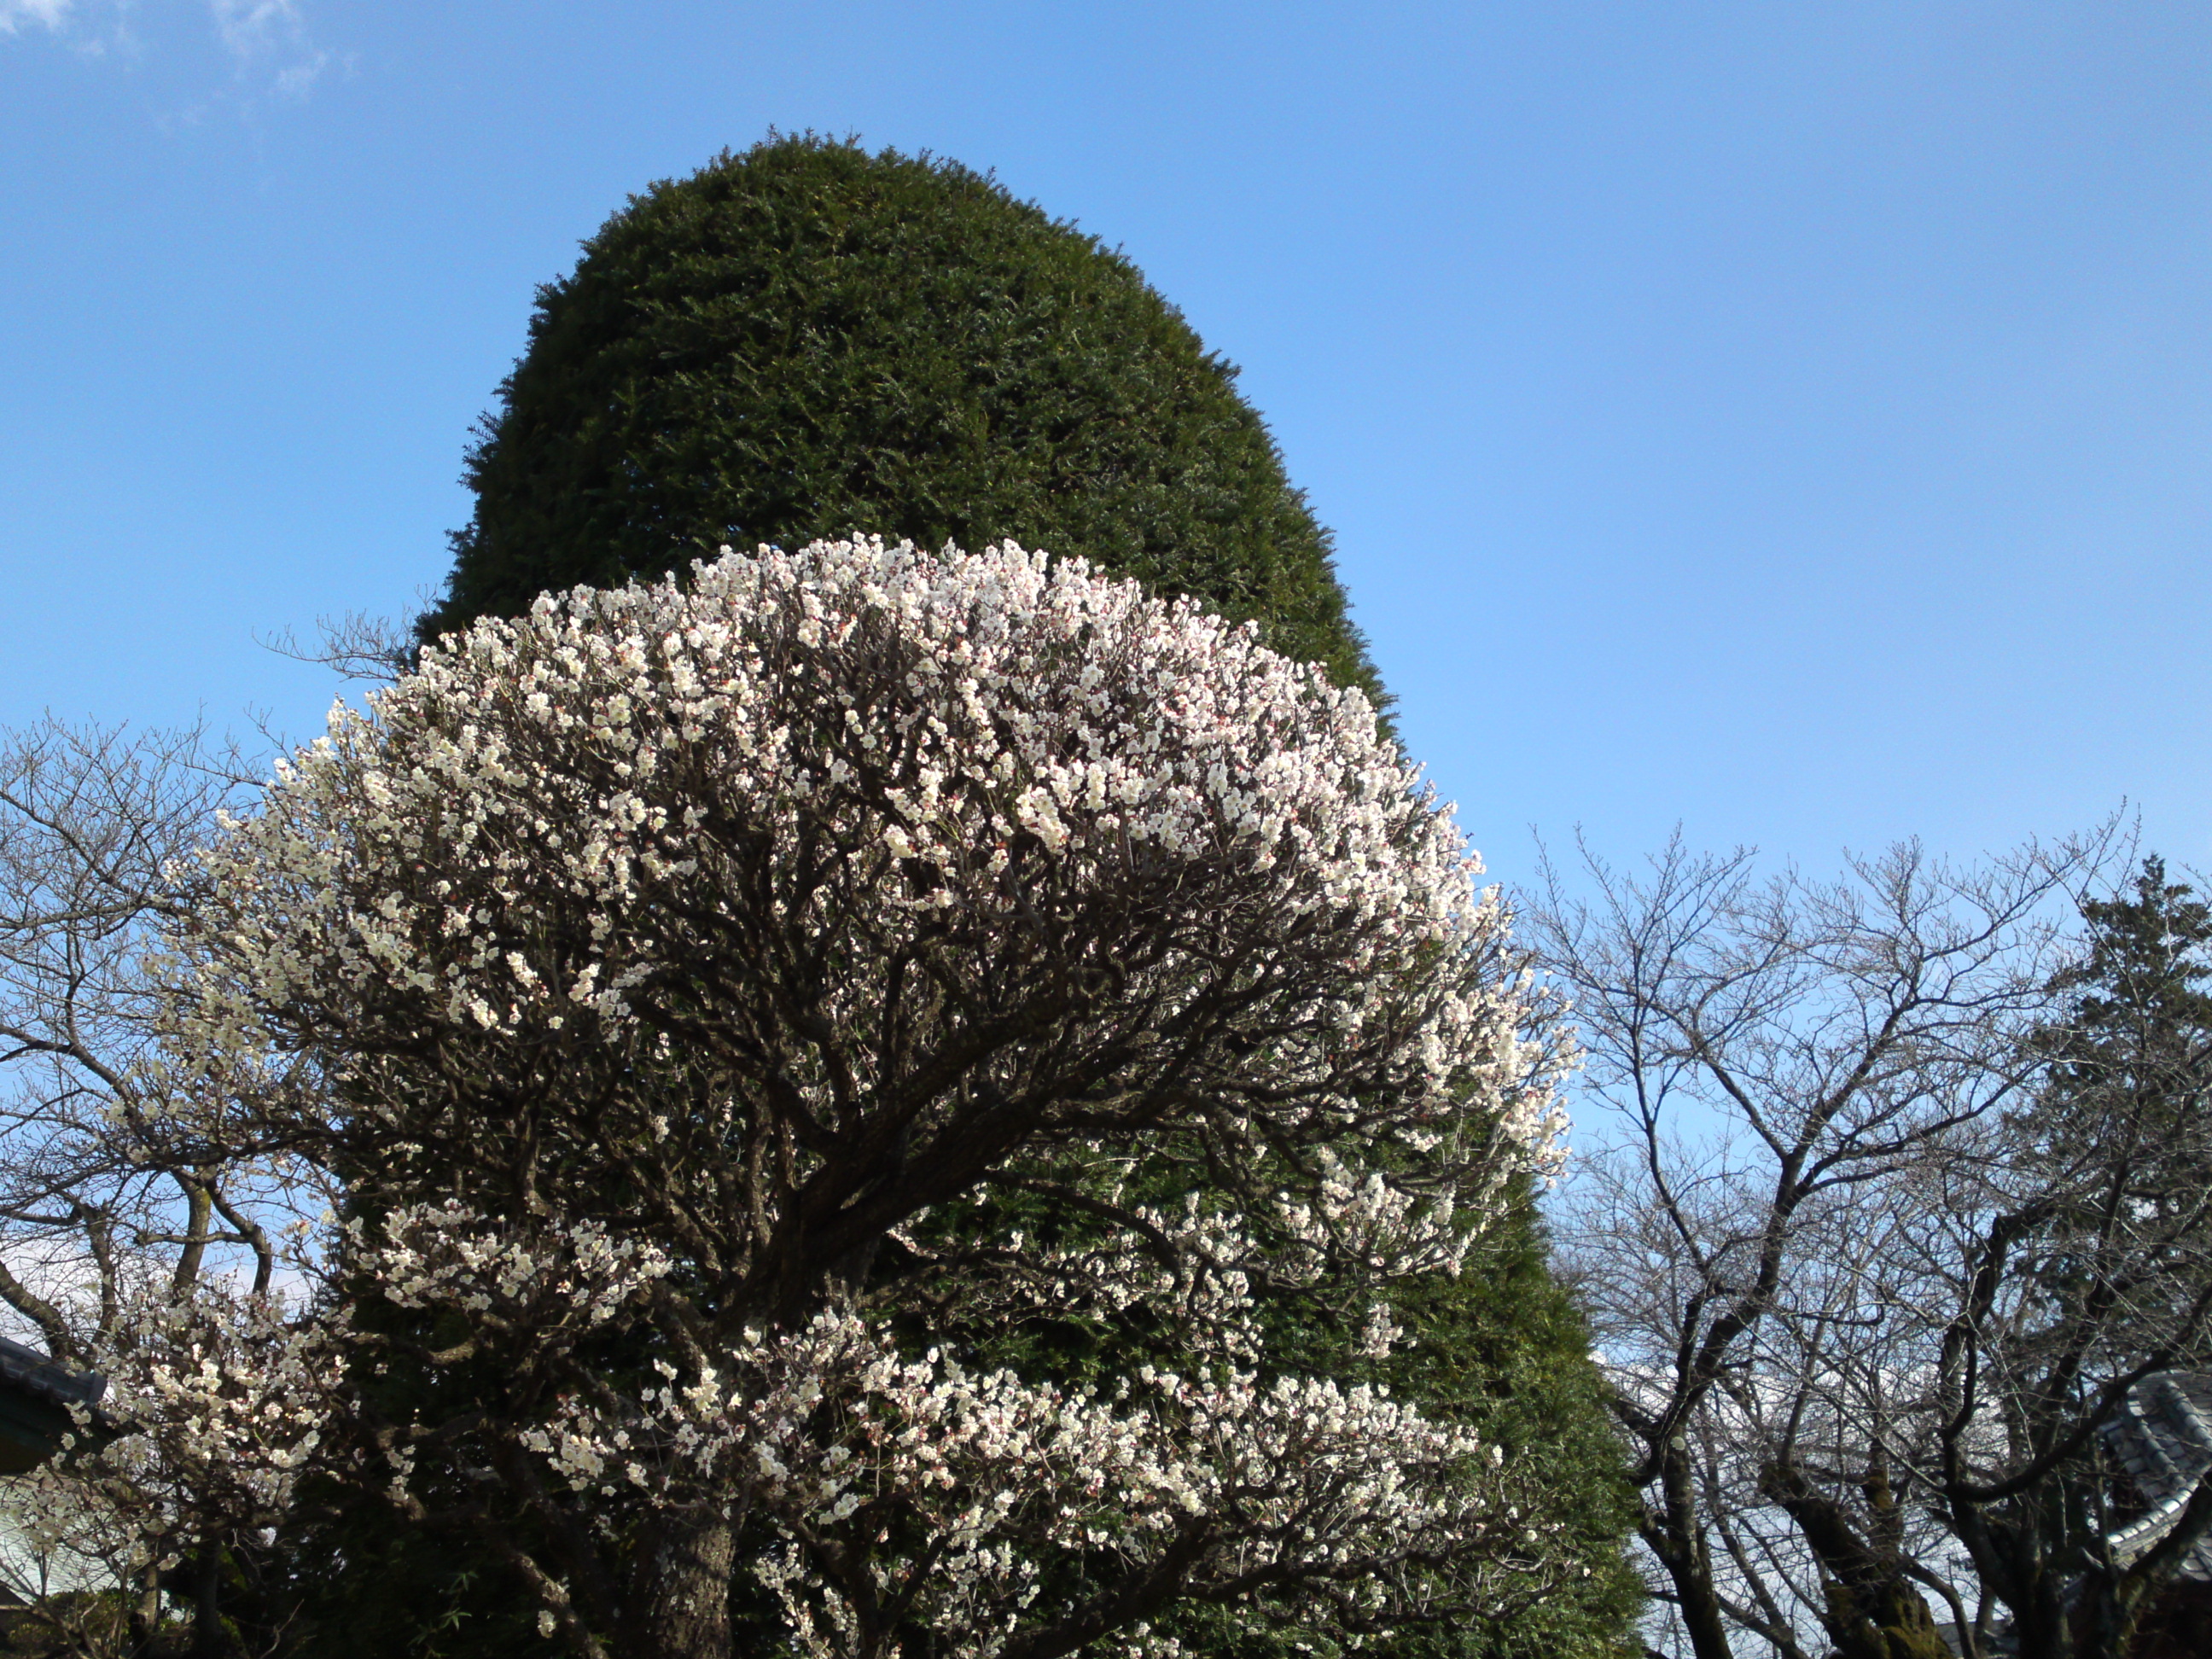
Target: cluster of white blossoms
(1387,1229)
(988,1481)
(217,1403)
(989,1487)
(585,779)
(560,1279)
(649,961)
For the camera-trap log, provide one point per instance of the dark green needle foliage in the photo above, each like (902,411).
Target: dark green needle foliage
(2130,1056)
(1503,1349)
(810,341)
(2133,1047)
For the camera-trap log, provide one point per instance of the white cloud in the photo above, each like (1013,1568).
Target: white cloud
(295,80)
(50,13)
(253,29)
(268,43)
(260,34)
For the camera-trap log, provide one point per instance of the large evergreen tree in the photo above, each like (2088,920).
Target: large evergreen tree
(2134,1042)
(2116,1149)
(808,340)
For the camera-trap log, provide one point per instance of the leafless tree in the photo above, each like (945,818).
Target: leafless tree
(93,1217)
(1865,1316)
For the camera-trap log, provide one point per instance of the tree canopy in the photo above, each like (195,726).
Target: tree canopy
(808,340)
(655,969)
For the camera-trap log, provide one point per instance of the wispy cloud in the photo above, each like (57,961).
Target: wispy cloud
(269,35)
(253,28)
(49,13)
(296,79)
(90,28)
(267,43)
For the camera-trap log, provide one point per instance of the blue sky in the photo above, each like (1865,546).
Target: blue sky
(1790,420)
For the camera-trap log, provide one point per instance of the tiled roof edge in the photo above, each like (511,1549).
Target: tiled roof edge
(34,1374)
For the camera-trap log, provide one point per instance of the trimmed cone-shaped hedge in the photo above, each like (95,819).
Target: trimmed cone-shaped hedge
(808,340)
(811,341)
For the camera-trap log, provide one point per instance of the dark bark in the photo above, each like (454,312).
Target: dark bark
(208,1639)
(1871,1610)
(1678,1539)
(679,1601)
(145,1612)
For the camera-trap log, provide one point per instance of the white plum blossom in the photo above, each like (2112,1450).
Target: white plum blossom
(831,1429)
(216,1402)
(662,971)
(1378,1222)
(444,1255)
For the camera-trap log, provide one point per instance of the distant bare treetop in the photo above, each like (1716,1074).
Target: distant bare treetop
(1886,1215)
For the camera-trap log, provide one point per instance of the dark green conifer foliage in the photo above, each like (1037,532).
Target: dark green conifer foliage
(2130,1053)
(2129,1091)
(1503,1349)
(811,341)
(807,340)
(2139,1018)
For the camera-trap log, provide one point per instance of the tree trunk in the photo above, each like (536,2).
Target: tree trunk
(208,1640)
(1676,1539)
(1871,1611)
(679,1601)
(145,1612)
(2045,1628)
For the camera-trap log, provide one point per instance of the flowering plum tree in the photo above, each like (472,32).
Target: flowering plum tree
(114,1256)
(659,970)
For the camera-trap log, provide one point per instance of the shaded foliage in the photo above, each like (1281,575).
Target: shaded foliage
(807,341)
